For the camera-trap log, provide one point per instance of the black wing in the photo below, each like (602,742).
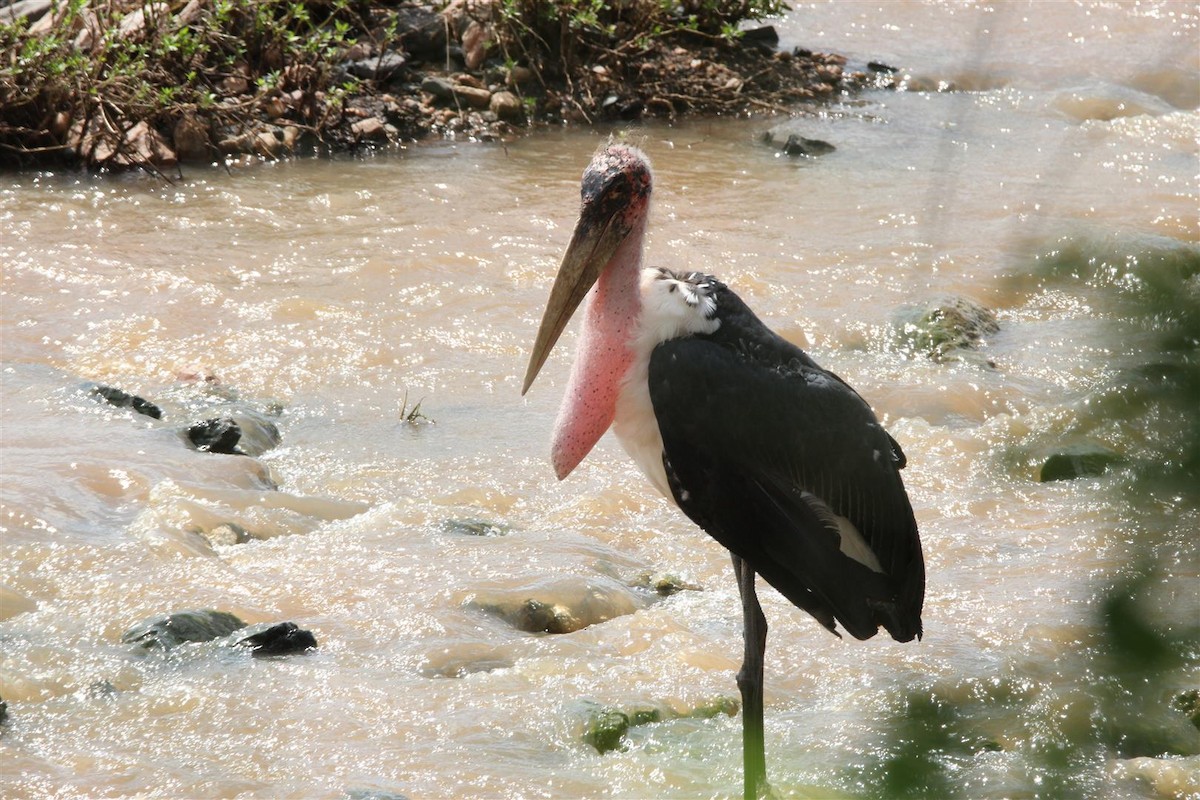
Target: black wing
(764,450)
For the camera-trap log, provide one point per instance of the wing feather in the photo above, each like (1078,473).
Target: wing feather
(765,450)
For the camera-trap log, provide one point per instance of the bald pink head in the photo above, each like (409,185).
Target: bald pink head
(601,267)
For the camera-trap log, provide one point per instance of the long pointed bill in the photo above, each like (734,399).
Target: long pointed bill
(592,247)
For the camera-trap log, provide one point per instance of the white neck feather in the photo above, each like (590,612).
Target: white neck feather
(672,307)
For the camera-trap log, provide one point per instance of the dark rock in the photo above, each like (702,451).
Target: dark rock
(1083,463)
(387,66)
(1188,703)
(422,32)
(3,712)
(797,145)
(878,66)
(943,326)
(441,88)
(474,527)
(100,690)
(764,37)
(120,399)
(165,633)
(216,436)
(283,639)
(622,107)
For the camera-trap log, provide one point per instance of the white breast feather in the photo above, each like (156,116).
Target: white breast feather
(667,313)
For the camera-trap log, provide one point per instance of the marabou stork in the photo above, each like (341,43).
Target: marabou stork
(776,458)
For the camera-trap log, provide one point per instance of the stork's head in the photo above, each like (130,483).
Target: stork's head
(616,198)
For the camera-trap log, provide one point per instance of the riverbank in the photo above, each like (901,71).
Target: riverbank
(155,84)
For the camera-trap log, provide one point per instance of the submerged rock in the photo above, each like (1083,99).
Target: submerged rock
(535,616)
(1189,704)
(259,433)
(802,146)
(605,729)
(282,639)
(475,527)
(664,584)
(166,633)
(373,794)
(101,689)
(1081,463)
(607,726)
(563,606)
(728,706)
(795,144)
(939,328)
(460,660)
(122,399)
(227,533)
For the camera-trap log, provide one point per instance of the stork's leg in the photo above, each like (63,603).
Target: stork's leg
(750,683)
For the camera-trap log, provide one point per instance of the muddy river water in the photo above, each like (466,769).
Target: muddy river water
(329,297)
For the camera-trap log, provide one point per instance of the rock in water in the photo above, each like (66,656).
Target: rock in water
(475,527)
(1078,464)
(943,327)
(216,436)
(802,146)
(198,625)
(606,728)
(373,794)
(283,639)
(120,399)
(227,533)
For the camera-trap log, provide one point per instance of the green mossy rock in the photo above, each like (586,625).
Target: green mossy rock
(475,527)
(1080,464)
(942,327)
(1189,704)
(607,726)
(166,633)
(605,729)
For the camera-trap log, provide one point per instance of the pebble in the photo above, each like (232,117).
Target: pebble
(477,98)
(506,105)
